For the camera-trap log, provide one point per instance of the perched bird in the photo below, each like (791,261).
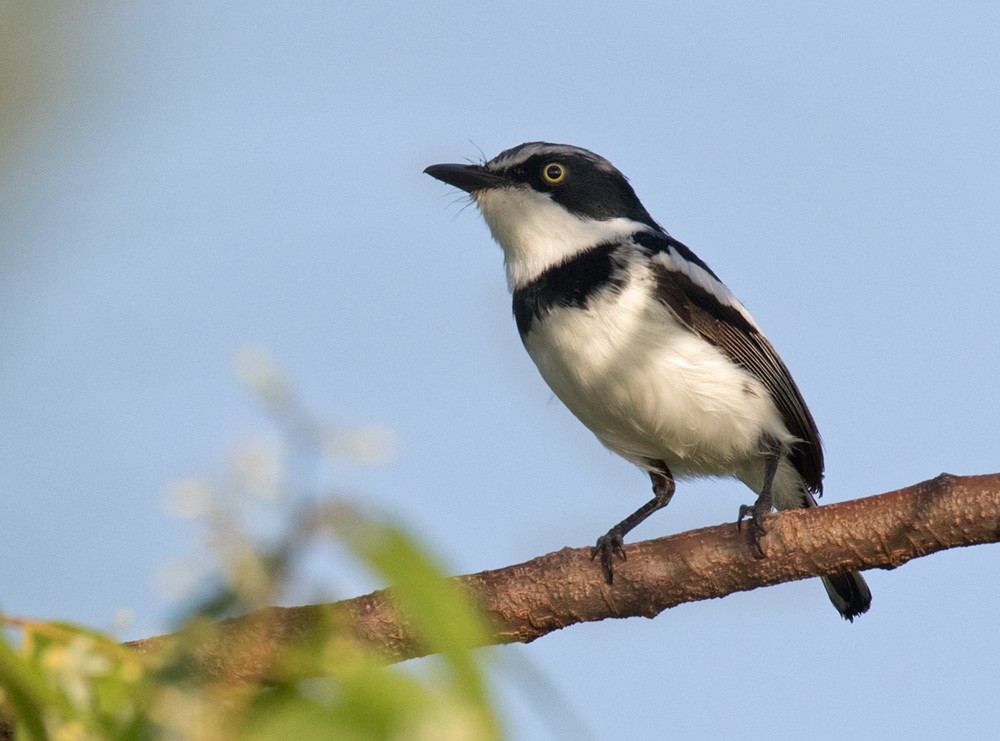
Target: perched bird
(642,341)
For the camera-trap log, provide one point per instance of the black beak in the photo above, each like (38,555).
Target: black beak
(469,178)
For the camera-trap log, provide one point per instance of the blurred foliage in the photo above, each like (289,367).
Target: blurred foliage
(261,521)
(43,49)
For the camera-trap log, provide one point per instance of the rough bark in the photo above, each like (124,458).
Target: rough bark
(528,600)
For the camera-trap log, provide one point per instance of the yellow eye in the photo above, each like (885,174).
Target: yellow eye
(553,173)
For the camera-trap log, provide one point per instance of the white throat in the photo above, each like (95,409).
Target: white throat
(536,233)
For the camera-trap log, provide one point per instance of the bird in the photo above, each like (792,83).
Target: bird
(643,342)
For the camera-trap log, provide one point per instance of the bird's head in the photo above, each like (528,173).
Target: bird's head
(546,202)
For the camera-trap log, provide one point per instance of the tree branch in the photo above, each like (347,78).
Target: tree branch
(559,589)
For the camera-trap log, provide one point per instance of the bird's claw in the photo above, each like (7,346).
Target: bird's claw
(607,546)
(755,527)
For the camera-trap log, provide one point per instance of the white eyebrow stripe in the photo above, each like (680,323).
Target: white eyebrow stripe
(520,154)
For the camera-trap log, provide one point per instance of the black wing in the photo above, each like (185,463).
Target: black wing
(708,308)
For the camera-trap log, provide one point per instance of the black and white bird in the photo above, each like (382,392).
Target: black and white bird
(642,341)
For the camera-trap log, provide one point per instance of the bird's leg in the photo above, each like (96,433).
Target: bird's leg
(762,507)
(612,542)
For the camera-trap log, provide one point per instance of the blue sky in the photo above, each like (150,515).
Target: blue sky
(207,177)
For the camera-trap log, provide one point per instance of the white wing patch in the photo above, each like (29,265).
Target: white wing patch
(703,279)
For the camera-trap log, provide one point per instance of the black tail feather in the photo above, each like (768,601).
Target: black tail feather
(849,593)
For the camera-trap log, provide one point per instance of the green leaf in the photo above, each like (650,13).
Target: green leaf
(443,615)
(26,690)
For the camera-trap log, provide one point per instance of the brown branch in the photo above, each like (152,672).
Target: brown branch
(559,589)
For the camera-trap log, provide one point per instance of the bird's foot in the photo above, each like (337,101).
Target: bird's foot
(755,527)
(607,546)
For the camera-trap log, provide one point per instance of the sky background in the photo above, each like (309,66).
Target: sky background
(190,179)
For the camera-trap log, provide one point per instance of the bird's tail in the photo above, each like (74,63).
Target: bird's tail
(848,592)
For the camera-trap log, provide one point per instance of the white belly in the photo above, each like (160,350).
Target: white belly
(652,390)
